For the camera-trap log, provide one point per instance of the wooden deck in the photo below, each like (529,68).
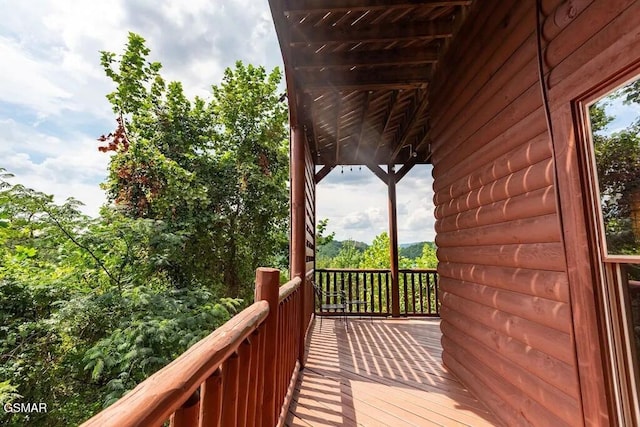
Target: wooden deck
(381,373)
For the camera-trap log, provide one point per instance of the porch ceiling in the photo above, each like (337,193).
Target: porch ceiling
(358,74)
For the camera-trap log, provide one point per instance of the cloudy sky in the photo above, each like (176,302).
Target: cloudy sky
(52,103)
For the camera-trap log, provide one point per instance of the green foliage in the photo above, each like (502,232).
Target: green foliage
(428,258)
(348,256)
(618,168)
(378,254)
(91,307)
(412,251)
(321,229)
(215,172)
(87,310)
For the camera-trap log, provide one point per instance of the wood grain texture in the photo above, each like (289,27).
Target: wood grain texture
(381,373)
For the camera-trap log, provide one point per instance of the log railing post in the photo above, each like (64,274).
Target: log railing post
(267,289)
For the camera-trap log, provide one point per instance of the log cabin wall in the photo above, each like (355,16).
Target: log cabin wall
(506,317)
(513,327)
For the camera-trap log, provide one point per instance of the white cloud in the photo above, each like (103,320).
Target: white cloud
(356,204)
(65,167)
(53,106)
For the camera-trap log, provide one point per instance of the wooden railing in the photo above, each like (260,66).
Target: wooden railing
(243,374)
(368,292)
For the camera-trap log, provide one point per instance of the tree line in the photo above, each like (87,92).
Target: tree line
(198,198)
(352,254)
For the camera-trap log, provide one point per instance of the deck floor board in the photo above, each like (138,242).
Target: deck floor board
(381,373)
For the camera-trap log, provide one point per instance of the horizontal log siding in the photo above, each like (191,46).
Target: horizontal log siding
(507,323)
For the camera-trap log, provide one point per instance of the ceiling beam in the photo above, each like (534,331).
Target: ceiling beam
(406,56)
(377,170)
(323,172)
(406,168)
(415,115)
(310,6)
(365,79)
(425,30)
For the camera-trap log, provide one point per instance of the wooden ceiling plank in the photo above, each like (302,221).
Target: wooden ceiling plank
(365,111)
(407,56)
(409,125)
(315,6)
(371,33)
(392,103)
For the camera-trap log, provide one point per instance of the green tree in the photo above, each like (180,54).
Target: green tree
(378,256)
(428,259)
(214,172)
(348,257)
(323,239)
(85,314)
(618,168)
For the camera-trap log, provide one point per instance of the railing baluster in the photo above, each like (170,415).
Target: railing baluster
(421,294)
(379,310)
(211,400)
(261,377)
(358,290)
(244,353)
(254,374)
(386,286)
(188,414)
(413,292)
(365,291)
(335,288)
(406,302)
(350,284)
(429,292)
(435,287)
(230,382)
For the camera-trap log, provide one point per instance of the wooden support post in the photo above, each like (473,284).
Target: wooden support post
(267,289)
(393,242)
(298,232)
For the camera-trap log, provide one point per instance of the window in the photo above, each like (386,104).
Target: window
(612,157)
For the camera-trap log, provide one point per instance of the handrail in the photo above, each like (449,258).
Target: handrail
(160,395)
(288,288)
(369,292)
(243,373)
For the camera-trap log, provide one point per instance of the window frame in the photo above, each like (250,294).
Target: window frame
(609,269)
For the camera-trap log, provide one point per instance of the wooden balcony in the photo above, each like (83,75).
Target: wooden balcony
(359,370)
(381,372)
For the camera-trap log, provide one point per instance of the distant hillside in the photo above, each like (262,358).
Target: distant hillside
(407,250)
(331,249)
